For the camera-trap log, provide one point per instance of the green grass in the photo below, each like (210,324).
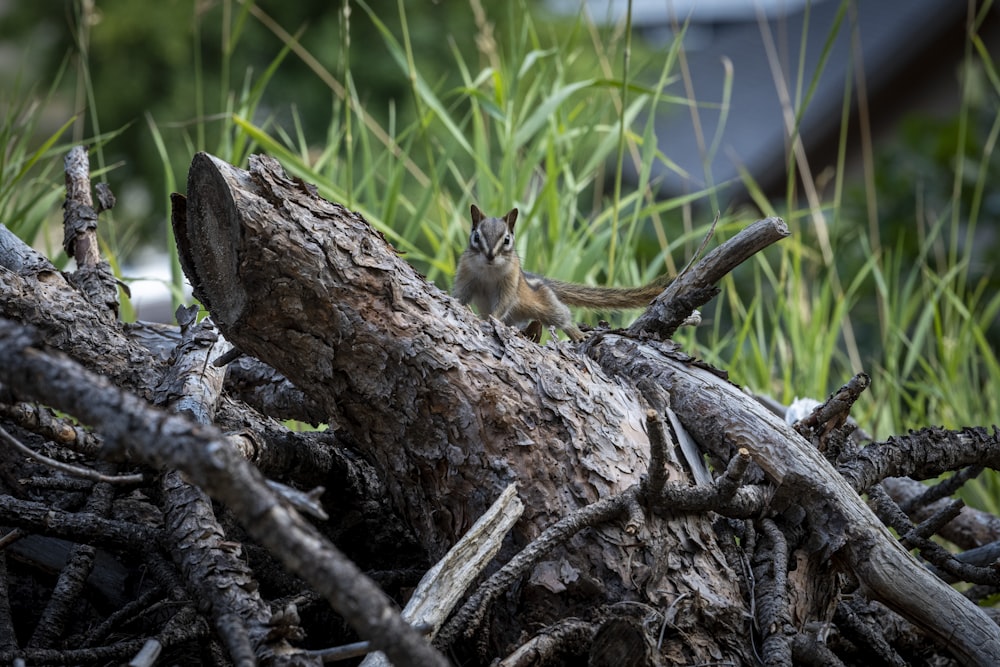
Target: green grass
(544,116)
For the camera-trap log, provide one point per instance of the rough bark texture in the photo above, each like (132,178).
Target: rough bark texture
(618,557)
(451,408)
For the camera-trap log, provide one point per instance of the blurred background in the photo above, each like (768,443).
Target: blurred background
(894,67)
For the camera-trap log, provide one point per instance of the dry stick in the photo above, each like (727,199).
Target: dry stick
(696,286)
(657,453)
(44,422)
(833,413)
(659,402)
(79,216)
(117,619)
(726,496)
(771,594)
(43,519)
(729,482)
(69,469)
(210,563)
(443,585)
(942,489)
(205,456)
(185,626)
(470,615)
(933,552)
(922,454)
(973,528)
(720,416)
(932,524)
(92,276)
(847,618)
(58,483)
(72,578)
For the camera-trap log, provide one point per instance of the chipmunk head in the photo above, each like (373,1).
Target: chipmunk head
(492,237)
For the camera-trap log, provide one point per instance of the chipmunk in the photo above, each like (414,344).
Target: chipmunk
(490,276)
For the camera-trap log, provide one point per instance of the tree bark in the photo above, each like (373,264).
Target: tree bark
(453,408)
(628,551)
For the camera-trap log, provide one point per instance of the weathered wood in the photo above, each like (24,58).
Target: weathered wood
(444,584)
(292,277)
(697,285)
(34,292)
(450,407)
(208,460)
(722,417)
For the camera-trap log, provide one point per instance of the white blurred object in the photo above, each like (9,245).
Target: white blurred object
(800,408)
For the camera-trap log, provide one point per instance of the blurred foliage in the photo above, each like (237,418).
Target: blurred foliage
(163,58)
(933,170)
(935,182)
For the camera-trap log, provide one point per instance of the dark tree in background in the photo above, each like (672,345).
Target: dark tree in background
(180,64)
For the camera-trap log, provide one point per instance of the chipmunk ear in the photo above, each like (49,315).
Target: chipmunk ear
(477,215)
(510,219)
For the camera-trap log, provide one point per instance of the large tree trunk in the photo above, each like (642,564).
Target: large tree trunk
(627,550)
(452,408)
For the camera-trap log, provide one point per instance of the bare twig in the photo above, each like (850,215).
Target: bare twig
(43,421)
(80,218)
(771,575)
(923,454)
(973,528)
(78,526)
(726,496)
(468,617)
(696,287)
(932,524)
(848,619)
(445,583)
(834,413)
(657,453)
(72,578)
(942,489)
(185,626)
(93,277)
(930,550)
(164,440)
(76,471)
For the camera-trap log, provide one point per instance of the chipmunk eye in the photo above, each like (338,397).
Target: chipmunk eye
(508,239)
(475,237)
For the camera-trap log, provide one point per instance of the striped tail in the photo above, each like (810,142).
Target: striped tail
(607,298)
